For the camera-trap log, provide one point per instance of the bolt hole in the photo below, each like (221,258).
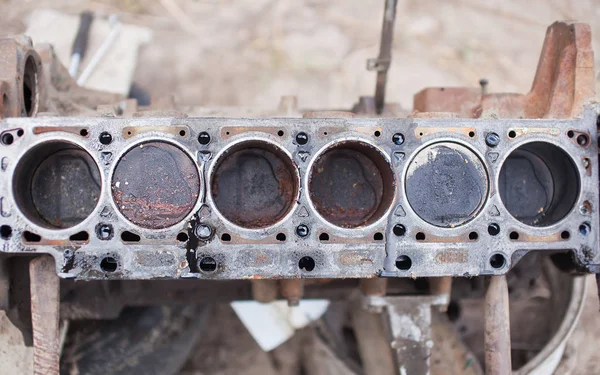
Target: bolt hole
(473,236)
(302,138)
(497,261)
(226,237)
(585,228)
(31,237)
(7,139)
(493,229)
(403,262)
(306,263)
(280,237)
(20,133)
(83,132)
(570,134)
(204,138)
(378,236)
(399,230)
(471,134)
(302,230)
(323,237)
(512,134)
(280,133)
(109,264)
(5,232)
(377,133)
(583,140)
(80,237)
(182,237)
(128,236)
(182,133)
(565,235)
(208,264)
(398,139)
(513,235)
(420,236)
(104,231)
(105,138)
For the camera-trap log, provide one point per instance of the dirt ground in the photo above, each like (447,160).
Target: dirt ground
(251,52)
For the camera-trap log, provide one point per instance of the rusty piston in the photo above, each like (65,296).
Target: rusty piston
(497,328)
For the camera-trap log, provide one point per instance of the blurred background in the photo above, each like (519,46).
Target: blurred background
(251,52)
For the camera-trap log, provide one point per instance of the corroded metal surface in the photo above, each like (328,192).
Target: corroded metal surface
(20,75)
(350,186)
(254,187)
(45,315)
(155,185)
(564,82)
(346,187)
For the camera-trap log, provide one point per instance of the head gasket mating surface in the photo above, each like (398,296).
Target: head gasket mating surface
(286,198)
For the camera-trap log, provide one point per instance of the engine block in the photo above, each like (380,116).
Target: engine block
(225,198)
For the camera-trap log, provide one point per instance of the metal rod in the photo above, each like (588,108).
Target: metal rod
(45,290)
(382,64)
(497,328)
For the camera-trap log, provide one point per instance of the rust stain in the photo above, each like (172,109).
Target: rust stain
(132,131)
(524,131)
(421,132)
(556,237)
(464,237)
(230,131)
(326,131)
(254,185)
(83,132)
(564,82)
(240,240)
(351,240)
(155,185)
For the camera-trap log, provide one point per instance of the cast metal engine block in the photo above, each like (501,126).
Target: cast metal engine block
(464,186)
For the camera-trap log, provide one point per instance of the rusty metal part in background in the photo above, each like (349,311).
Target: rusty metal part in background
(497,328)
(20,77)
(382,63)
(564,82)
(45,298)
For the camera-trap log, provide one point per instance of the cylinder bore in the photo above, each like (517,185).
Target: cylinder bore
(446,184)
(254,184)
(351,184)
(539,184)
(155,185)
(56,184)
